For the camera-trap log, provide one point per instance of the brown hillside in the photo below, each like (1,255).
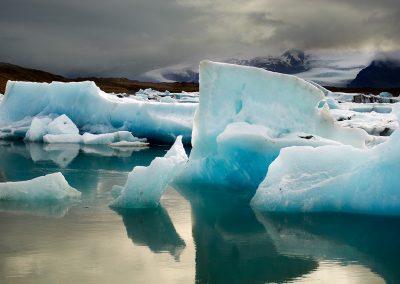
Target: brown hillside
(123,85)
(110,85)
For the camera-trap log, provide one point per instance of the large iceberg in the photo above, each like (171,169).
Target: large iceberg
(50,187)
(334,178)
(145,185)
(246,115)
(93,111)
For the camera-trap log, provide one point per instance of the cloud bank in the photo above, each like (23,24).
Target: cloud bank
(130,37)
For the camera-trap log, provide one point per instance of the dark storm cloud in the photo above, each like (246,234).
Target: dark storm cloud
(127,38)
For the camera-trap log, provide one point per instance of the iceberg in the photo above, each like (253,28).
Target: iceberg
(145,185)
(51,187)
(91,110)
(335,178)
(246,115)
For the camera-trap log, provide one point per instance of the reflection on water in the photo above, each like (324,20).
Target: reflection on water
(370,241)
(152,228)
(83,166)
(212,234)
(52,209)
(232,246)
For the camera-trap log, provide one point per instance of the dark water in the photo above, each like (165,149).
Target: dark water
(200,234)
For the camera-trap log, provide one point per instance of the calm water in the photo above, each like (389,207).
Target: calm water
(199,234)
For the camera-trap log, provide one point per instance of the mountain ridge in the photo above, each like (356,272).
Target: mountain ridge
(13,72)
(378,74)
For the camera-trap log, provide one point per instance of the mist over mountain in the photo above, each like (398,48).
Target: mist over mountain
(289,62)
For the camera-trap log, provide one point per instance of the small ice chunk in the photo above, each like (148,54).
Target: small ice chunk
(146,185)
(38,129)
(167,99)
(129,144)
(108,138)
(332,104)
(49,187)
(385,95)
(62,125)
(62,138)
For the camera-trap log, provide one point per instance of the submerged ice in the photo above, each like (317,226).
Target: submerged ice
(145,185)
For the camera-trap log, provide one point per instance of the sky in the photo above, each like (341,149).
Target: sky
(130,37)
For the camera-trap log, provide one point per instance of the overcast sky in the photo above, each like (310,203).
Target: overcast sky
(130,37)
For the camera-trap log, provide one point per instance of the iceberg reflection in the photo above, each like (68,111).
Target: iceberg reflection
(152,228)
(51,209)
(232,246)
(370,241)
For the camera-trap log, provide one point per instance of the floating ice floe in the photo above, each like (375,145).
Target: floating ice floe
(129,144)
(246,115)
(145,185)
(374,123)
(92,110)
(334,178)
(51,187)
(167,97)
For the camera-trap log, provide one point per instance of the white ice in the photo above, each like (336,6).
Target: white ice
(62,125)
(50,187)
(130,144)
(145,185)
(334,178)
(38,129)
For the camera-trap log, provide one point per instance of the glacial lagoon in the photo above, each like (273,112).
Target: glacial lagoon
(207,235)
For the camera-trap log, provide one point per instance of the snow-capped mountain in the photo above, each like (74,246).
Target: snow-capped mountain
(290,62)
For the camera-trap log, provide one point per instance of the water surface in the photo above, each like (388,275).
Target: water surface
(199,234)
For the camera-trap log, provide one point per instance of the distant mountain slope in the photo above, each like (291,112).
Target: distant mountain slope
(17,73)
(116,85)
(378,74)
(290,62)
(123,85)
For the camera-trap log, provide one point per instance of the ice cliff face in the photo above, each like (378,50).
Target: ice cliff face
(246,115)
